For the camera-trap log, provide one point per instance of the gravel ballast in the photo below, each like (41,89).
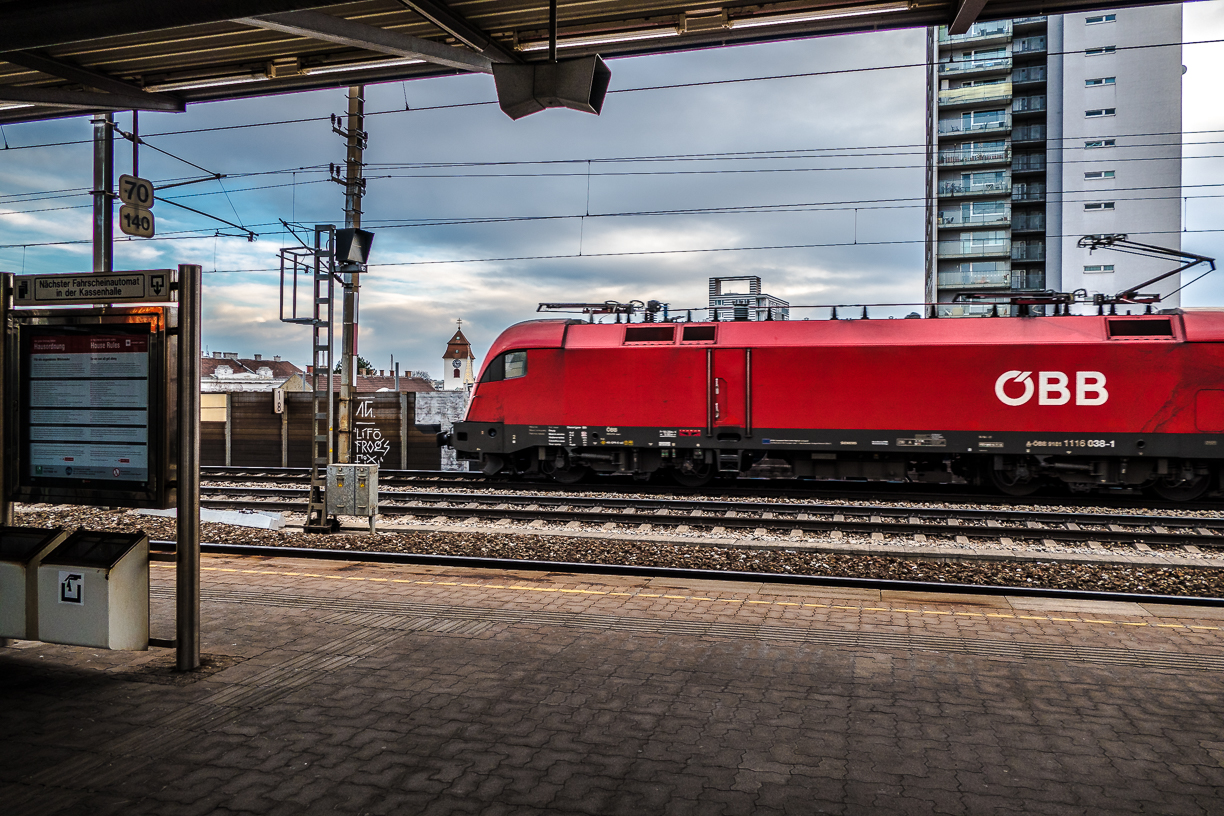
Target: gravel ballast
(1156,580)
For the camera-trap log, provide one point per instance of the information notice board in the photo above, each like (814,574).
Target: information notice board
(95,419)
(89,407)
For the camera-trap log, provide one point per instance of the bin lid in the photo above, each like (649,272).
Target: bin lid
(20,544)
(94,548)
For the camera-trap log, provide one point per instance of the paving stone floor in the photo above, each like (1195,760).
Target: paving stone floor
(375,689)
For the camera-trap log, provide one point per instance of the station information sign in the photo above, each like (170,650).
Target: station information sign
(89,407)
(95,416)
(137,286)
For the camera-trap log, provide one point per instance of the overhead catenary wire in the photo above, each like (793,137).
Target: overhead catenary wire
(22,198)
(594,255)
(747,209)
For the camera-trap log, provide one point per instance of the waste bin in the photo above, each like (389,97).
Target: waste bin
(21,551)
(93,590)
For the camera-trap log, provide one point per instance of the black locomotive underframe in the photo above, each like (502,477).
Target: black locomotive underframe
(937,456)
(485,437)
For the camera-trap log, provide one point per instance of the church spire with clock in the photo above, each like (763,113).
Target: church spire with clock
(458,363)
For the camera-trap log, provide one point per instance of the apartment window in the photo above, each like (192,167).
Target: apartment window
(1097,19)
(1096,269)
(1098,174)
(1094,143)
(1099,81)
(1099,51)
(1098,205)
(1095,112)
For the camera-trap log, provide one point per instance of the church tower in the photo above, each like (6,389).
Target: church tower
(458,363)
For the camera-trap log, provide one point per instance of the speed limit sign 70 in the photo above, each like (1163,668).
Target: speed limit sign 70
(136,191)
(135,221)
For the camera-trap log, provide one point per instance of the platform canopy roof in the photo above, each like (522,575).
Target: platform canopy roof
(68,57)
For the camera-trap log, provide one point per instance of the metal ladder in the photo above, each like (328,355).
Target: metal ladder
(319,262)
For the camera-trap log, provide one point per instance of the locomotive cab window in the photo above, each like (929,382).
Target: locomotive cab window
(649,334)
(508,366)
(1123,328)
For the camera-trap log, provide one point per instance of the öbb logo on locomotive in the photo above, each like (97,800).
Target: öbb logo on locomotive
(1052,388)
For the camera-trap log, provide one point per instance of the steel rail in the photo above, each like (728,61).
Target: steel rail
(808,518)
(757,488)
(166,548)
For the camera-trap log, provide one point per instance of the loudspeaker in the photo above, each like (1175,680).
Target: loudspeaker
(353,245)
(577,84)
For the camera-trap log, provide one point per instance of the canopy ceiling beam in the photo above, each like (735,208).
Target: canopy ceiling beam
(87,77)
(317,26)
(455,24)
(58,22)
(966,14)
(90,100)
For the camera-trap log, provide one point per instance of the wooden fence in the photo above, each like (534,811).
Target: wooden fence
(254,435)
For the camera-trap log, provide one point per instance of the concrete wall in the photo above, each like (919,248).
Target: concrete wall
(1146,160)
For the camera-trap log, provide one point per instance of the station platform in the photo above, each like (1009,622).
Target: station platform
(362,688)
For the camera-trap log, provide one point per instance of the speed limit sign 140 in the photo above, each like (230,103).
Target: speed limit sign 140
(135,221)
(136,192)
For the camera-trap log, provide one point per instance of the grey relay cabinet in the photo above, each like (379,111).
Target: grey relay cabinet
(21,551)
(352,490)
(93,590)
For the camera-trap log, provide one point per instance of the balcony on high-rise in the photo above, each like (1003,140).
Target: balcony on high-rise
(970,248)
(975,66)
(971,154)
(965,124)
(976,94)
(1028,222)
(1028,251)
(953,189)
(1028,162)
(1028,192)
(974,309)
(995,30)
(1029,45)
(1029,104)
(1028,279)
(989,214)
(1033,73)
(1029,133)
(976,278)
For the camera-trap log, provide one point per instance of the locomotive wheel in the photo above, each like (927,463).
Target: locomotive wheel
(1177,490)
(568,476)
(698,477)
(1008,485)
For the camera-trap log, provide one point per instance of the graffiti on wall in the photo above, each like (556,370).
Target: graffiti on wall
(370,446)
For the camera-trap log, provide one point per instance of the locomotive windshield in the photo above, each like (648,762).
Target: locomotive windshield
(508,366)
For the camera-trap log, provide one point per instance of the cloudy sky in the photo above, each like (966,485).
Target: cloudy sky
(814,182)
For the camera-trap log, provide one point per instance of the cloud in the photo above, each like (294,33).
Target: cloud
(866,250)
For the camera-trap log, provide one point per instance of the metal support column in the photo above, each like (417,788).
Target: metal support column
(355,136)
(103,192)
(187,548)
(6,295)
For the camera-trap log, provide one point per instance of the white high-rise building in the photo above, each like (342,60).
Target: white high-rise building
(1043,130)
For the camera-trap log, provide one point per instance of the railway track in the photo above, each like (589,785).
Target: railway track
(164,551)
(784,520)
(745,488)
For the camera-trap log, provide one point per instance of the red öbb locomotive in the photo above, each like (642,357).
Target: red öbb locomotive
(1014,402)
